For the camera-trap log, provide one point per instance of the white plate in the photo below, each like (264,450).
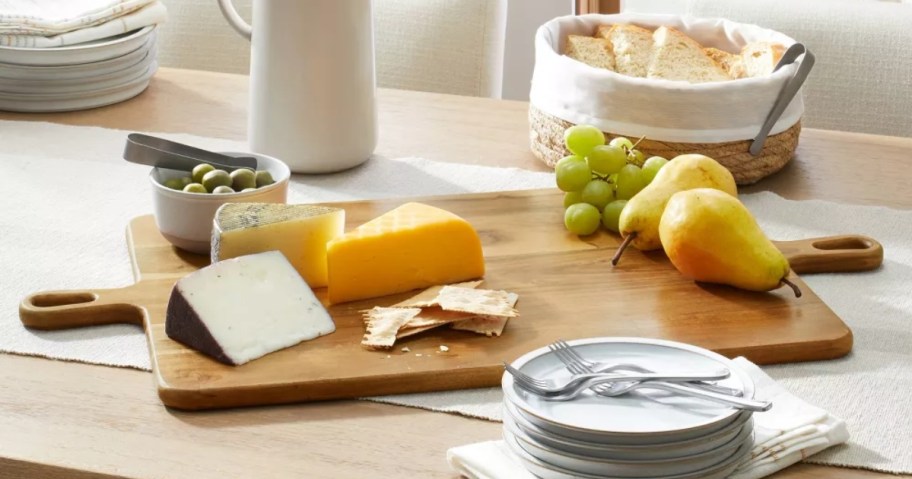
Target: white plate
(631,467)
(671,450)
(27,88)
(641,417)
(545,470)
(88,52)
(9,71)
(80,101)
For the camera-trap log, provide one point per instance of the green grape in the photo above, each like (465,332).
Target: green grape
(612,213)
(572,173)
(581,139)
(629,182)
(582,219)
(636,157)
(572,198)
(597,193)
(651,167)
(622,142)
(607,159)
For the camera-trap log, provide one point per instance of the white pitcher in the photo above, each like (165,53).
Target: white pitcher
(312,81)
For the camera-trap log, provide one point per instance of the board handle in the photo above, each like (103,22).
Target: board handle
(50,310)
(832,254)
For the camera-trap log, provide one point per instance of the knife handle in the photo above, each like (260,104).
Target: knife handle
(832,254)
(51,310)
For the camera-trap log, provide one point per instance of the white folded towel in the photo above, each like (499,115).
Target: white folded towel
(789,432)
(149,12)
(53,17)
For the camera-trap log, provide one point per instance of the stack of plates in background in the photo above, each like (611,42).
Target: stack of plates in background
(75,77)
(645,433)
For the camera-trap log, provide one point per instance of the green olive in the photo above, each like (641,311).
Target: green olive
(216,178)
(263,178)
(174,184)
(245,190)
(222,189)
(184,181)
(199,171)
(243,179)
(195,188)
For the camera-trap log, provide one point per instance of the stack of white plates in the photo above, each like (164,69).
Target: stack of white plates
(76,77)
(646,433)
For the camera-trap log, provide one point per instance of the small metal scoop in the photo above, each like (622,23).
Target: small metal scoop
(162,153)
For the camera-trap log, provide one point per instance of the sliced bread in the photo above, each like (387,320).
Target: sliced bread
(730,62)
(632,47)
(592,51)
(675,56)
(760,58)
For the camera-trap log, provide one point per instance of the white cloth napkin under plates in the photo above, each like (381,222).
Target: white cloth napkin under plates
(149,13)
(788,433)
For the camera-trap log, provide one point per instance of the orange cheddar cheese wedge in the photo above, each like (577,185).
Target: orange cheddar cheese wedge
(413,246)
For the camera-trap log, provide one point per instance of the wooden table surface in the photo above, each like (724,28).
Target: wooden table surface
(77,421)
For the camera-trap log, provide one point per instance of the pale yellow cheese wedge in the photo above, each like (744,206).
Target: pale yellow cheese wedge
(413,246)
(300,232)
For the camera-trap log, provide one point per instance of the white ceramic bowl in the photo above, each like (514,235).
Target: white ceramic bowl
(185,219)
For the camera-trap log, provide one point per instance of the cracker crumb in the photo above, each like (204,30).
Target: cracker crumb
(418,354)
(443,348)
(405,349)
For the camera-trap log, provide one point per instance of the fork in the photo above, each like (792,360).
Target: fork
(554,391)
(619,389)
(595,367)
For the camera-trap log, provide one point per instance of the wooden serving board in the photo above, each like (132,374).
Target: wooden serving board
(567,289)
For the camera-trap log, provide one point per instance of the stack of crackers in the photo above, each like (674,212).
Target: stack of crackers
(460,306)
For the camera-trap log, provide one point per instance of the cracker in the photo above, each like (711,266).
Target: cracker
(383,324)
(487,325)
(428,297)
(482,302)
(430,318)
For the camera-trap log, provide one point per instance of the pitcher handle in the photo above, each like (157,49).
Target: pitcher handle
(234,19)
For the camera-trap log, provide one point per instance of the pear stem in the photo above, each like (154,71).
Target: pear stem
(622,247)
(793,286)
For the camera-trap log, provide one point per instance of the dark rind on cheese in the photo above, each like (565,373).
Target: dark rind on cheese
(183,324)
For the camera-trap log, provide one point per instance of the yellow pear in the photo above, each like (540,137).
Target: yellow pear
(639,221)
(711,236)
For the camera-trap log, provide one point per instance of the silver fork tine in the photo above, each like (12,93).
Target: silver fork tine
(564,358)
(525,378)
(570,362)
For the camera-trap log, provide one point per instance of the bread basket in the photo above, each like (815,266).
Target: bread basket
(718,119)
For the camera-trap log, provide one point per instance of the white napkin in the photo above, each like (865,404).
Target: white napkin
(788,433)
(118,21)
(53,17)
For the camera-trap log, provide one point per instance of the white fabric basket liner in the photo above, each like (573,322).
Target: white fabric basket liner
(663,110)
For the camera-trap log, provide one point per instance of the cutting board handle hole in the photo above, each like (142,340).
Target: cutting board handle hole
(851,242)
(57,299)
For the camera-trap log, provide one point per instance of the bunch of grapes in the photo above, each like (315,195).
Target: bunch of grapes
(598,179)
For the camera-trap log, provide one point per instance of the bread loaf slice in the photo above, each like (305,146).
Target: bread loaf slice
(632,47)
(675,56)
(730,62)
(760,58)
(592,51)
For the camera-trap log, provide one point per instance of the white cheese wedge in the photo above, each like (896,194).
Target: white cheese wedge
(300,232)
(244,308)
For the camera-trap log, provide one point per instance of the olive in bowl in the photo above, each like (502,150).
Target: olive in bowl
(184,203)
